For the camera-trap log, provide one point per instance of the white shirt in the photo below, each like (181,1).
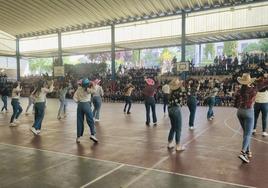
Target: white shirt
(166,89)
(98,91)
(16,92)
(41,97)
(82,95)
(262,97)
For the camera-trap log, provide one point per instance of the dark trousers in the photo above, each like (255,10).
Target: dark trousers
(211,103)
(128,103)
(176,122)
(4,99)
(165,101)
(17,109)
(150,104)
(39,114)
(84,109)
(263,108)
(192,103)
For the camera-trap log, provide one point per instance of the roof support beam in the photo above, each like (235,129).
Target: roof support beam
(183,35)
(113,51)
(59,49)
(18,57)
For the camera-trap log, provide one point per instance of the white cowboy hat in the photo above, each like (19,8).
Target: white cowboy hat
(245,79)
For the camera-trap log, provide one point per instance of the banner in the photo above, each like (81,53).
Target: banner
(59,71)
(182,66)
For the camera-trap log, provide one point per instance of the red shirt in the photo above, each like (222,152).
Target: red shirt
(245,97)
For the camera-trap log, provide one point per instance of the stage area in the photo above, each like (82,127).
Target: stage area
(129,154)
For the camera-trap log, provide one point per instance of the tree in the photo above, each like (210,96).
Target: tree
(252,47)
(41,65)
(209,51)
(166,55)
(230,48)
(264,45)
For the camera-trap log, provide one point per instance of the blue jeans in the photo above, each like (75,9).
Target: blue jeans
(246,119)
(263,108)
(150,103)
(30,102)
(176,122)
(165,101)
(63,104)
(127,102)
(84,109)
(192,103)
(39,109)
(16,109)
(211,103)
(4,99)
(97,106)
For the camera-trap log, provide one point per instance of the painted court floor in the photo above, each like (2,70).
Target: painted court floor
(129,154)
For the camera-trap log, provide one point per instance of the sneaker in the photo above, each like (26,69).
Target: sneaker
(34,131)
(155,124)
(38,131)
(191,128)
(170,146)
(16,121)
(249,154)
(264,134)
(180,148)
(128,112)
(147,124)
(13,124)
(93,138)
(244,158)
(254,131)
(97,120)
(59,117)
(78,140)
(210,119)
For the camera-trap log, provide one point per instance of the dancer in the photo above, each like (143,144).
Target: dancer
(174,112)
(211,103)
(4,94)
(261,105)
(30,101)
(244,100)
(63,89)
(83,97)
(39,106)
(166,92)
(97,95)
(149,92)
(17,109)
(192,102)
(128,101)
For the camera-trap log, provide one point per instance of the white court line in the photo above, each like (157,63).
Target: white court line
(129,165)
(102,176)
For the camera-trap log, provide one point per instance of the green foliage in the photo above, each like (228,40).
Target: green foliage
(41,65)
(67,60)
(230,48)
(166,55)
(252,47)
(209,51)
(264,45)
(190,52)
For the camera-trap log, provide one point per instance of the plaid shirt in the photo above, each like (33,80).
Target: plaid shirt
(246,99)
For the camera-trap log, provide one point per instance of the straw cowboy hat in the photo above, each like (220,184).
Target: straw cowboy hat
(149,81)
(175,84)
(245,79)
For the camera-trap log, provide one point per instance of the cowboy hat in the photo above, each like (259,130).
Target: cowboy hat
(245,79)
(149,81)
(175,84)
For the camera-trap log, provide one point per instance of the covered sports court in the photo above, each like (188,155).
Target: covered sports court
(129,154)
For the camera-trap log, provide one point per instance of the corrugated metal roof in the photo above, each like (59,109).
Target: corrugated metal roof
(26,18)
